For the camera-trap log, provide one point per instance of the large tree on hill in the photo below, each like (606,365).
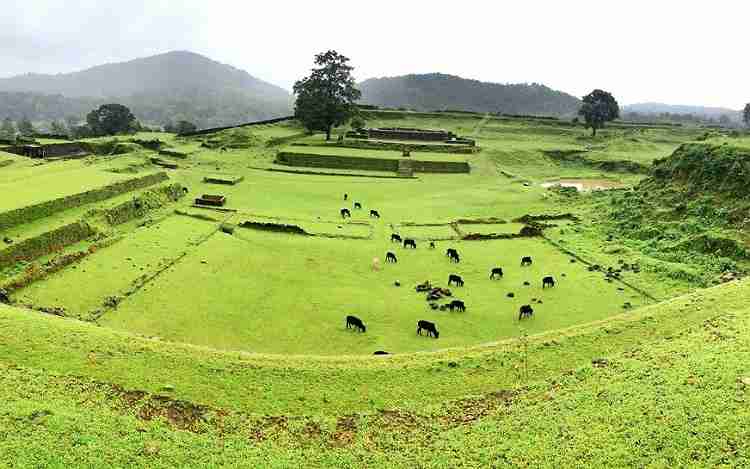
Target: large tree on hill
(599,107)
(746,114)
(111,119)
(327,97)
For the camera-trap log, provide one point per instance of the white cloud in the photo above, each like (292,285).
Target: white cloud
(687,52)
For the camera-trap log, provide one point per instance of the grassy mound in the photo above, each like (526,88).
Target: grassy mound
(690,211)
(704,168)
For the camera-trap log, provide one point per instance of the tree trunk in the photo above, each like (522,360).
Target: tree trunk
(328,133)
(593,130)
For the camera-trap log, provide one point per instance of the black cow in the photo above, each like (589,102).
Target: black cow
(428,326)
(548,282)
(410,242)
(7,240)
(381,352)
(453,278)
(345,213)
(450,252)
(457,305)
(455,258)
(496,272)
(525,311)
(391,257)
(355,322)
(357,206)
(374,214)
(395,237)
(432,244)
(526,260)
(4,298)
(346,196)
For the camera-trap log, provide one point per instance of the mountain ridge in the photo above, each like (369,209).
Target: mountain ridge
(439,91)
(165,87)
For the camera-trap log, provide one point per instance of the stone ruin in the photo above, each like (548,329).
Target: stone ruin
(403,133)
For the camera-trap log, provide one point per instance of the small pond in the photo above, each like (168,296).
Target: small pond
(583,185)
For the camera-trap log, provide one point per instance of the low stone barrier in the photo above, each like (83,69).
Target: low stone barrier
(372,164)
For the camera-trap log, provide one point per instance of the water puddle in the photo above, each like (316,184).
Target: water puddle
(583,185)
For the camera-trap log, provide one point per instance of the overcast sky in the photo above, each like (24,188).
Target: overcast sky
(677,52)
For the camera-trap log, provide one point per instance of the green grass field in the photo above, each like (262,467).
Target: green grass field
(188,340)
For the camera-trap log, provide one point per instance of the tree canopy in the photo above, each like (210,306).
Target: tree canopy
(327,97)
(746,114)
(25,127)
(182,127)
(111,119)
(598,108)
(58,128)
(8,129)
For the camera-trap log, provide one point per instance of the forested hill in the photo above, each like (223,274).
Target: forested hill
(438,91)
(171,86)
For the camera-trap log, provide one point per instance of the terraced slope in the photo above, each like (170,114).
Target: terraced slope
(668,387)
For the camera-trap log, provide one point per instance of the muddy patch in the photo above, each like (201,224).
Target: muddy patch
(585,185)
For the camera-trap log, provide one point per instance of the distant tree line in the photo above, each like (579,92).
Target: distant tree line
(632,116)
(204,109)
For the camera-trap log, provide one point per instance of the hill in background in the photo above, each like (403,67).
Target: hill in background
(171,86)
(437,91)
(702,112)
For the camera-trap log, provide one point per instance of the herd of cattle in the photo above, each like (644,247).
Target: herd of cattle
(435,293)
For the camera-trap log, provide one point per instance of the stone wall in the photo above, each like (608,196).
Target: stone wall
(368,164)
(398,133)
(53,150)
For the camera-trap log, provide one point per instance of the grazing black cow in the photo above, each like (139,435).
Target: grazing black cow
(7,240)
(345,213)
(374,214)
(496,272)
(525,311)
(455,258)
(453,278)
(450,252)
(357,206)
(428,326)
(223,149)
(432,244)
(526,260)
(457,305)
(391,257)
(410,242)
(381,352)
(355,322)
(548,282)
(395,237)
(346,196)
